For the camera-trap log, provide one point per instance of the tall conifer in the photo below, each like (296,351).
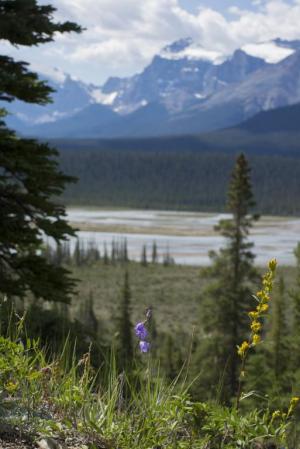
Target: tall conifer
(228,295)
(29,173)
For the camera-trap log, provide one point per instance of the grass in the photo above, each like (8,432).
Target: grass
(173,291)
(64,401)
(69,402)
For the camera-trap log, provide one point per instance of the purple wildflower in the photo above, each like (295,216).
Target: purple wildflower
(140,331)
(144,346)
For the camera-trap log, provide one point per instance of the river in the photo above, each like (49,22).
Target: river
(186,236)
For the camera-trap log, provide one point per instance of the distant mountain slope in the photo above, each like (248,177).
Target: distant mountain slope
(91,121)
(268,88)
(184,90)
(277,120)
(174,80)
(276,131)
(70,97)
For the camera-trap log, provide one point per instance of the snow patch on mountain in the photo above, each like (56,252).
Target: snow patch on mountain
(98,96)
(271,52)
(187,49)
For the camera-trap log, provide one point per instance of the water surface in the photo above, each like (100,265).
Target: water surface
(187,236)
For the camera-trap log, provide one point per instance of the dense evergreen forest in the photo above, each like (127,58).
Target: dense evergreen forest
(183,173)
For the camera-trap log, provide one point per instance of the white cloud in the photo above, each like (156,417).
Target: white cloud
(123,35)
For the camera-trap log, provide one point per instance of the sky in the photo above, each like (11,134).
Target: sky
(122,36)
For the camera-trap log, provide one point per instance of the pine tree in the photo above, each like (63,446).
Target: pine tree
(125,251)
(154,257)
(77,255)
(105,255)
(87,315)
(29,174)
(113,254)
(144,261)
(124,329)
(228,296)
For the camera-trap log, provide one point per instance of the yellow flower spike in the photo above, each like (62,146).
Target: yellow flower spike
(263,298)
(256,326)
(262,308)
(256,339)
(273,265)
(243,348)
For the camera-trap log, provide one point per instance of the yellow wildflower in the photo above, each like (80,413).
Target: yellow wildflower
(273,264)
(261,308)
(263,296)
(243,348)
(253,315)
(255,326)
(256,339)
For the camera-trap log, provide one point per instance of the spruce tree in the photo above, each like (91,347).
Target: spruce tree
(105,255)
(144,261)
(29,174)
(87,314)
(154,256)
(124,329)
(228,294)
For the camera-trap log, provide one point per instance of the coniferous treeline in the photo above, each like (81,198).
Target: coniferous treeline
(81,253)
(187,180)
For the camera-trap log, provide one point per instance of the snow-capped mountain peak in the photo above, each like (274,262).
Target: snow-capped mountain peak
(271,51)
(188,49)
(183,81)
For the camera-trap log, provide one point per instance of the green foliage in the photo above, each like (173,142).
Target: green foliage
(144,260)
(124,329)
(186,174)
(62,400)
(65,396)
(224,318)
(29,173)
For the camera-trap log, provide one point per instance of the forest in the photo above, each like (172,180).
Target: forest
(100,352)
(192,180)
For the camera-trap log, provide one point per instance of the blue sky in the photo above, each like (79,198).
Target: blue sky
(123,35)
(219,5)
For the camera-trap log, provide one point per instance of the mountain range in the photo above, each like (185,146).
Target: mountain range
(184,90)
